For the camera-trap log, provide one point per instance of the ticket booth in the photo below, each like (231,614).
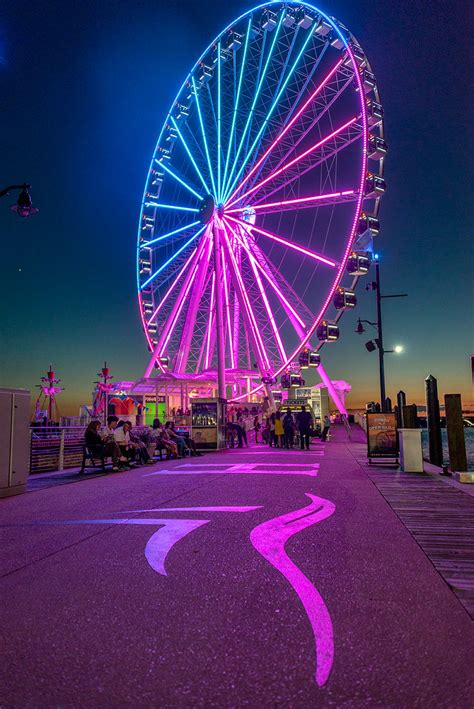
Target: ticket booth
(208,417)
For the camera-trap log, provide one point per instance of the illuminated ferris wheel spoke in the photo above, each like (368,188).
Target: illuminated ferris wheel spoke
(270,112)
(203,133)
(294,317)
(176,307)
(276,32)
(295,160)
(326,154)
(179,179)
(269,311)
(252,154)
(237,100)
(285,242)
(172,286)
(170,324)
(170,260)
(195,296)
(311,127)
(175,208)
(190,155)
(321,200)
(281,135)
(170,233)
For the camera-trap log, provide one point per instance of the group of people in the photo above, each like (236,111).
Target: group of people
(127,449)
(280,430)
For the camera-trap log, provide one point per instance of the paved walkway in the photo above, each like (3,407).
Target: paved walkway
(258,578)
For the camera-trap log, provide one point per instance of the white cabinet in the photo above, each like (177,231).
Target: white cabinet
(14,440)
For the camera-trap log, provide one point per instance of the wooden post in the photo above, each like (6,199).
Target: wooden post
(410,417)
(401,402)
(433,421)
(455,428)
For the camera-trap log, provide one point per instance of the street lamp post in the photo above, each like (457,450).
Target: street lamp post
(375,285)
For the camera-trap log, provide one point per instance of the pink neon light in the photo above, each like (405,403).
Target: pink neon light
(250,312)
(350,241)
(300,200)
(286,129)
(269,539)
(295,160)
(181,305)
(207,362)
(332,391)
(227,305)
(269,311)
(280,240)
(271,282)
(170,289)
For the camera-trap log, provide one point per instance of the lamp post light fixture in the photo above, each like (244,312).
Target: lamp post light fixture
(378,342)
(24,206)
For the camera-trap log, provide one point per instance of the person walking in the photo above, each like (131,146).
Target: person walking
(303,421)
(278,430)
(326,427)
(256,428)
(272,439)
(288,429)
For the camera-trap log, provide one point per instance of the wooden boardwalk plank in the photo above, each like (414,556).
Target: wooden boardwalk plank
(440,519)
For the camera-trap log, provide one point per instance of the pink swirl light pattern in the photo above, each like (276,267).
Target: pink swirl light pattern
(269,539)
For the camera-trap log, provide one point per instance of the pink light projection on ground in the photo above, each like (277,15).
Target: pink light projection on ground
(165,538)
(269,539)
(240,468)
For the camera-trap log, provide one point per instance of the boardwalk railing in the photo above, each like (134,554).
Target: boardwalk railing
(55,448)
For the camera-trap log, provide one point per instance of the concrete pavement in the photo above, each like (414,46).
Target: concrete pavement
(256,578)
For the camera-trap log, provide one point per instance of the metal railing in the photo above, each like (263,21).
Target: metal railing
(55,448)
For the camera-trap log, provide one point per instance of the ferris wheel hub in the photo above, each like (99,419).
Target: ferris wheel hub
(207,209)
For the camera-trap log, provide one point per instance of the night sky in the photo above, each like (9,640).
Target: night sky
(85,89)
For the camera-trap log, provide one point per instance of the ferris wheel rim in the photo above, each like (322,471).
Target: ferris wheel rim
(363,171)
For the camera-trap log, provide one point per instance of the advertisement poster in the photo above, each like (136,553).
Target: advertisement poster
(205,437)
(382,435)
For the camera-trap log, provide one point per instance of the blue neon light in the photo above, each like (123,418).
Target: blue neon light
(167,263)
(161,164)
(171,206)
(170,233)
(237,100)
(272,108)
(257,93)
(204,183)
(204,136)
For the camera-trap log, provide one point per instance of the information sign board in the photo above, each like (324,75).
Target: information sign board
(382,440)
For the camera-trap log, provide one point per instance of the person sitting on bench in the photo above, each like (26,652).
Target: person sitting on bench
(188,441)
(129,448)
(158,436)
(179,440)
(98,448)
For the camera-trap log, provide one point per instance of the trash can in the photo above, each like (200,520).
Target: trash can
(411,450)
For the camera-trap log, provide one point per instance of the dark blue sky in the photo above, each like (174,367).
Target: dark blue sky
(85,89)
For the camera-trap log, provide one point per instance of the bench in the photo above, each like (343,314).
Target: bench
(95,461)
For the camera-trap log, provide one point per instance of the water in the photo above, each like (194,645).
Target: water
(469,438)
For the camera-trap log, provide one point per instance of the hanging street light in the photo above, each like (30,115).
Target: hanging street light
(23,206)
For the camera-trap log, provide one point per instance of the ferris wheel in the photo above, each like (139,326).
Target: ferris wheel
(262,198)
